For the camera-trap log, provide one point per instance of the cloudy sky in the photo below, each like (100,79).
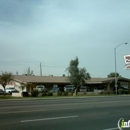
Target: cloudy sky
(55,31)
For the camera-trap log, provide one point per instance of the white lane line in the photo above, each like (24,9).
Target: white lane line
(45,119)
(112,128)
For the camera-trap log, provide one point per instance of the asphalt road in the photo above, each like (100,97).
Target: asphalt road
(92,113)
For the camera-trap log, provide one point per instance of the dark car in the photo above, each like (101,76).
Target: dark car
(54,90)
(2,92)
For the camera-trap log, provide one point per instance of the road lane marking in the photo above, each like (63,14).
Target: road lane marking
(112,128)
(54,118)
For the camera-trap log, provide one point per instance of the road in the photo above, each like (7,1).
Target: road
(91,113)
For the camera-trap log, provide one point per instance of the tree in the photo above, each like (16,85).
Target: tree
(77,75)
(112,74)
(5,78)
(29,72)
(63,75)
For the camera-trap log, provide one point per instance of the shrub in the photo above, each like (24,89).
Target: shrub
(65,93)
(112,92)
(84,93)
(50,94)
(44,93)
(59,93)
(104,92)
(34,93)
(120,91)
(107,92)
(101,92)
(25,94)
(126,91)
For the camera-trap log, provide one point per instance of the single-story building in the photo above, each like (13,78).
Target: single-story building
(93,84)
(106,84)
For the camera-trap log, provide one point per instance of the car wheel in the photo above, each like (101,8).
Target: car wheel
(10,93)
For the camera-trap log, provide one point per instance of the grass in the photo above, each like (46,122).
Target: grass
(9,97)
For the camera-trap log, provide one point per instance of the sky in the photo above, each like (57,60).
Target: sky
(54,32)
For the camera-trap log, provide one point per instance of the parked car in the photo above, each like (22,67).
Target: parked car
(83,89)
(69,88)
(11,90)
(2,92)
(54,90)
(41,88)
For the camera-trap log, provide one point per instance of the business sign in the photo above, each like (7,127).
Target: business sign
(127,62)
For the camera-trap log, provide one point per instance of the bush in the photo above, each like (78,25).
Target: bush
(107,92)
(120,91)
(34,93)
(104,92)
(101,92)
(50,94)
(59,93)
(84,93)
(112,92)
(44,93)
(126,91)
(65,93)
(25,94)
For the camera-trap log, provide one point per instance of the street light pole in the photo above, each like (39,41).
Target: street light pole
(116,66)
(115,71)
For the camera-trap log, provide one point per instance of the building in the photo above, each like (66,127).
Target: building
(93,84)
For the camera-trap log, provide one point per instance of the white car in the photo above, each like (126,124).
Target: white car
(11,90)
(69,88)
(41,88)
(83,89)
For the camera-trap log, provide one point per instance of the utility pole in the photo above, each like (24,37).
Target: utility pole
(40,69)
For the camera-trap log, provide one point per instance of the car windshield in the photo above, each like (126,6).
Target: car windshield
(83,87)
(54,88)
(39,87)
(69,86)
(10,88)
